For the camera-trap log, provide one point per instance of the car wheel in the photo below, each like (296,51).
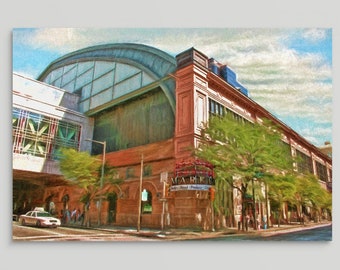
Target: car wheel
(38,223)
(23,223)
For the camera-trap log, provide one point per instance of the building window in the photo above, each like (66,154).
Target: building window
(304,163)
(238,117)
(67,136)
(42,136)
(130,172)
(146,202)
(147,170)
(216,108)
(200,111)
(321,171)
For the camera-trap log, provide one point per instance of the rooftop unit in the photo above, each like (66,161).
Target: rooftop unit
(227,74)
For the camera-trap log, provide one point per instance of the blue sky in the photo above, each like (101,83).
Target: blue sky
(286,70)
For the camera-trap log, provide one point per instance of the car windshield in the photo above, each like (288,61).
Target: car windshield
(43,214)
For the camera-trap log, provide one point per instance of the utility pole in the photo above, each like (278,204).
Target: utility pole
(163,207)
(254,205)
(164,177)
(140,194)
(212,198)
(101,177)
(267,206)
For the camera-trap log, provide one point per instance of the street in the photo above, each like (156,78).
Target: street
(312,232)
(322,233)
(29,233)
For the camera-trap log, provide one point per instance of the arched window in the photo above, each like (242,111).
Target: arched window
(146,202)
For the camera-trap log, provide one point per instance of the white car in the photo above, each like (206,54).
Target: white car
(40,218)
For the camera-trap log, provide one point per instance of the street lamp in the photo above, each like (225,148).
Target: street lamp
(101,176)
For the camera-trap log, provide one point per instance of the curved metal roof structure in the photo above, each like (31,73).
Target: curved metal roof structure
(105,75)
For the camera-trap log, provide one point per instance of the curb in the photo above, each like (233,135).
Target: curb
(178,235)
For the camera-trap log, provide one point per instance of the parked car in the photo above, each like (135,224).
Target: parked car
(40,218)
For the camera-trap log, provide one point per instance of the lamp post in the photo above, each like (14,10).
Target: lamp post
(101,176)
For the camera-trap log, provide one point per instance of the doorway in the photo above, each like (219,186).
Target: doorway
(112,209)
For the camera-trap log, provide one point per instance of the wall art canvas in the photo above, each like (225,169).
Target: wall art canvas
(172,134)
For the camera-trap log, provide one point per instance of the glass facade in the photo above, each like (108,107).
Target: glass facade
(38,135)
(98,82)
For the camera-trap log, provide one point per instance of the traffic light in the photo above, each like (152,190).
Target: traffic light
(211,193)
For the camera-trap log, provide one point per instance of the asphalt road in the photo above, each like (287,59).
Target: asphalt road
(30,233)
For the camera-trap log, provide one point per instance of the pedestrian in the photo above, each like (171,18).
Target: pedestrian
(67,215)
(264,221)
(247,221)
(79,216)
(74,215)
(62,216)
(258,223)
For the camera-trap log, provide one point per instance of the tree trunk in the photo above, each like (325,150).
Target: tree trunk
(86,215)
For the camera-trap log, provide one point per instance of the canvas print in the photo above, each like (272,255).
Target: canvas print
(172,134)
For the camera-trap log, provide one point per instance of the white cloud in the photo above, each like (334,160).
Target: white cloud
(314,34)
(283,80)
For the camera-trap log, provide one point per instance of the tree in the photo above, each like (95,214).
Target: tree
(309,193)
(242,152)
(281,189)
(83,170)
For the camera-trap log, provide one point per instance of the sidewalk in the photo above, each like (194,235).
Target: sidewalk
(293,228)
(185,234)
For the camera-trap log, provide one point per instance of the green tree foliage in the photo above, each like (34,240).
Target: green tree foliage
(80,168)
(309,193)
(241,151)
(282,188)
(83,170)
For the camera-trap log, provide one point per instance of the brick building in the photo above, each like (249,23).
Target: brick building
(147,107)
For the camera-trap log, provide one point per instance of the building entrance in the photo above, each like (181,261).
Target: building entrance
(112,209)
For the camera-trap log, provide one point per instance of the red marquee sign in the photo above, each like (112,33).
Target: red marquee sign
(195,172)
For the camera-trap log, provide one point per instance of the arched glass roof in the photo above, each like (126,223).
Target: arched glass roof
(105,75)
